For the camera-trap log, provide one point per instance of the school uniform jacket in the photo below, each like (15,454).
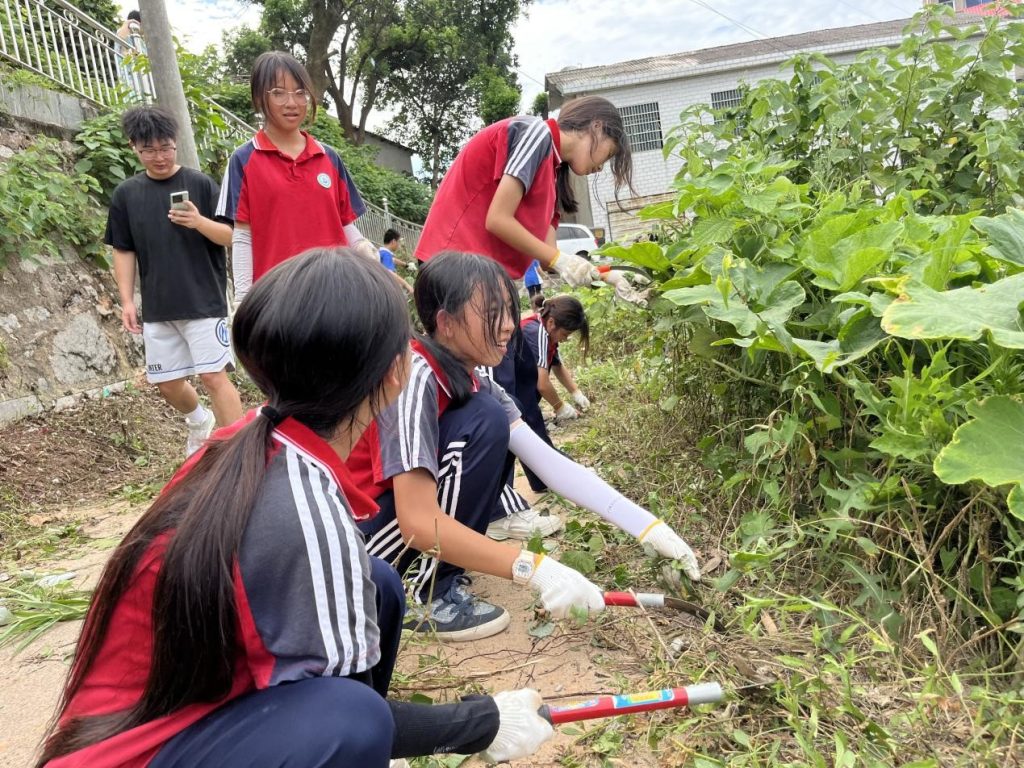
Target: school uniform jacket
(525,147)
(539,344)
(405,435)
(306,602)
(290,205)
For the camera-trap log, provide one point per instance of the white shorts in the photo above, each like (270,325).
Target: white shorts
(180,348)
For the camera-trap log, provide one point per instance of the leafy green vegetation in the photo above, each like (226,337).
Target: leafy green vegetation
(839,280)
(35,609)
(44,207)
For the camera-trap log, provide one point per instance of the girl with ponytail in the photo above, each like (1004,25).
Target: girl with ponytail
(241,622)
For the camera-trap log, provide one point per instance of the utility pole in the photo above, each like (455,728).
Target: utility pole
(166,78)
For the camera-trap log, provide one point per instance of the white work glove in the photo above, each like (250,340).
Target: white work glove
(521,731)
(367,250)
(667,543)
(575,270)
(566,413)
(561,588)
(623,288)
(581,400)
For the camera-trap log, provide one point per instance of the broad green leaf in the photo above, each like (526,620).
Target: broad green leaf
(987,448)
(963,313)
(842,266)
(1015,502)
(894,442)
(858,337)
(712,231)
(1005,236)
(646,254)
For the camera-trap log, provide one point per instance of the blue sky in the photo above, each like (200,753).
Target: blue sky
(562,33)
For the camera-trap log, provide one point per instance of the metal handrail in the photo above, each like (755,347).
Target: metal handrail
(58,41)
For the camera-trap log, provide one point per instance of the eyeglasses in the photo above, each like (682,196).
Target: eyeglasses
(279,96)
(150,152)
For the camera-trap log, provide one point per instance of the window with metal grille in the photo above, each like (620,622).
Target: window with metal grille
(722,102)
(643,126)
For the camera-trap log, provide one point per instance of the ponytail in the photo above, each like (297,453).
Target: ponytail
(194,612)
(567,313)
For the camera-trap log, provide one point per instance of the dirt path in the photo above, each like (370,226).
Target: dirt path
(32,678)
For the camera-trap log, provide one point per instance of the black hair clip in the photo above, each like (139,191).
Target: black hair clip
(272,414)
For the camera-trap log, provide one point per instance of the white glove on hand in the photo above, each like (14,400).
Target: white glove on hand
(561,588)
(566,413)
(667,543)
(367,250)
(521,731)
(623,289)
(581,400)
(575,270)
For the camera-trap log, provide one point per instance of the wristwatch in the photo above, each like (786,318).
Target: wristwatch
(524,565)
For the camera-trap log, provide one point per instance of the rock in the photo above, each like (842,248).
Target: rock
(9,323)
(6,617)
(56,578)
(81,351)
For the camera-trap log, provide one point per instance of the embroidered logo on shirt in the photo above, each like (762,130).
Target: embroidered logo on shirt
(324,180)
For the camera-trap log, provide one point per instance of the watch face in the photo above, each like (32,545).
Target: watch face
(522,569)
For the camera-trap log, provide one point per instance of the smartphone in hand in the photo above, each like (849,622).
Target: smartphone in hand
(178,200)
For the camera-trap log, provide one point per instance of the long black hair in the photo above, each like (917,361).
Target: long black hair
(318,334)
(598,117)
(447,282)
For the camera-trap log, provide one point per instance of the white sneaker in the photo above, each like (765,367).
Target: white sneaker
(403,763)
(197,433)
(524,525)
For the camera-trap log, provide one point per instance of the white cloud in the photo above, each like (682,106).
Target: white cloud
(563,33)
(199,23)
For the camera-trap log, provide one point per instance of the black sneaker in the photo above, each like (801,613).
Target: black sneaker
(458,615)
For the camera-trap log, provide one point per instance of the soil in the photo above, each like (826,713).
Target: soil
(79,479)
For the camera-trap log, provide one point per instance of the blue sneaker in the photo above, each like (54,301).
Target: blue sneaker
(458,615)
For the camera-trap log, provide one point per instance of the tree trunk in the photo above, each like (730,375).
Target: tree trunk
(436,162)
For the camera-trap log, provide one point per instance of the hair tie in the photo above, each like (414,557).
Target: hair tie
(272,414)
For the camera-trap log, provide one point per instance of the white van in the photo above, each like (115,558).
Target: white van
(576,239)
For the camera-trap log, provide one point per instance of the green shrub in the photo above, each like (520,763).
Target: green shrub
(858,323)
(43,204)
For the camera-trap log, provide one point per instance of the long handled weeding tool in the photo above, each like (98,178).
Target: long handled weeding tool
(628,703)
(658,600)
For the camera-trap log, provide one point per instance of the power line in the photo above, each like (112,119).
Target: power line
(745,28)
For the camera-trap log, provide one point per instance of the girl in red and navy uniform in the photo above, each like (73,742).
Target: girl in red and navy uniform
(504,193)
(526,370)
(284,190)
(435,464)
(241,622)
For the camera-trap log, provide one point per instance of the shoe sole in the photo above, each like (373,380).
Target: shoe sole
(479,632)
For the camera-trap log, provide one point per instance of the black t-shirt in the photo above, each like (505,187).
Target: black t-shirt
(183,275)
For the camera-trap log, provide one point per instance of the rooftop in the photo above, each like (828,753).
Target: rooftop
(578,80)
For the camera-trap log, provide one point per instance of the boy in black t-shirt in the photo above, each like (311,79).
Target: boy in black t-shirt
(178,251)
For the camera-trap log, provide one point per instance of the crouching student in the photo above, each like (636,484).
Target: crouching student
(434,461)
(241,621)
(525,373)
